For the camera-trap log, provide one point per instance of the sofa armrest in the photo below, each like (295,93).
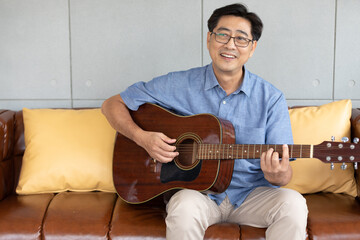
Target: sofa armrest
(355,122)
(7,125)
(355,132)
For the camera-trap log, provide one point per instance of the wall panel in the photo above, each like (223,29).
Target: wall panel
(347,67)
(34,49)
(116,43)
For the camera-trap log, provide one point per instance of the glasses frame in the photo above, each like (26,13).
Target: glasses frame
(247,39)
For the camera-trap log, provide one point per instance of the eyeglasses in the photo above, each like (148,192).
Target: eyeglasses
(238,41)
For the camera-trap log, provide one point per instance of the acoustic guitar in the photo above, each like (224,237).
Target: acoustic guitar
(207,150)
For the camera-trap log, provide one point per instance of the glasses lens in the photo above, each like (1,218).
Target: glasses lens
(222,38)
(241,42)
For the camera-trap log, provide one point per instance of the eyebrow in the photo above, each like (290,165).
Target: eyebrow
(239,31)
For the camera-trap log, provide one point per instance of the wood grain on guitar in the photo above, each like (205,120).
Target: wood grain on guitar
(207,150)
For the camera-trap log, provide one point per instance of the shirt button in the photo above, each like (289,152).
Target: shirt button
(224,102)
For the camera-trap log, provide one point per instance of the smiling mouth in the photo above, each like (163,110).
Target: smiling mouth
(227,55)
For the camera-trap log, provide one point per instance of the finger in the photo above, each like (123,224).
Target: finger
(163,159)
(168,154)
(268,159)
(285,155)
(166,143)
(167,139)
(263,160)
(275,162)
(163,156)
(165,153)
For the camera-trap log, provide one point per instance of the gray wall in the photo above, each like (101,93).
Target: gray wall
(76,53)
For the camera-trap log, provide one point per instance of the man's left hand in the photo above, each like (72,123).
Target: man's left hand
(276,171)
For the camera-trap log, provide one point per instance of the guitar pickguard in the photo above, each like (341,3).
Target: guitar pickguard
(170,172)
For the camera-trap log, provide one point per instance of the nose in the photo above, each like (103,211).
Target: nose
(231,43)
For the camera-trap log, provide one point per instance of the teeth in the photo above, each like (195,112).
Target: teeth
(226,55)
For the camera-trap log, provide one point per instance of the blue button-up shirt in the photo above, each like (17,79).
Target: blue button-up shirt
(257,110)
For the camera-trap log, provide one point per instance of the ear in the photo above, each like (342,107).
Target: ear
(208,39)
(253,46)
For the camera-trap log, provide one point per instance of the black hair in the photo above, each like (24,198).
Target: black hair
(238,10)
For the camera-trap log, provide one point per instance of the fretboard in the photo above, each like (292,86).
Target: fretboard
(249,151)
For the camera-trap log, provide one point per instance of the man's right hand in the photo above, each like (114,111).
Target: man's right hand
(158,146)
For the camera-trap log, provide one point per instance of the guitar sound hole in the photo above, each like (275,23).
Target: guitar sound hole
(187,154)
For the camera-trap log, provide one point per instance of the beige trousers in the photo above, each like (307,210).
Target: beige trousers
(282,211)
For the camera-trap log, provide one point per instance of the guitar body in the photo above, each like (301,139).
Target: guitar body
(138,178)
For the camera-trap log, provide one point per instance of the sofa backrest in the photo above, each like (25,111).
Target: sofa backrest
(12,147)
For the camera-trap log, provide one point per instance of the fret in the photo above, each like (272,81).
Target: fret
(242,152)
(213,151)
(227,151)
(292,147)
(301,151)
(223,151)
(209,151)
(199,151)
(237,151)
(228,154)
(203,152)
(306,151)
(208,146)
(248,151)
(254,151)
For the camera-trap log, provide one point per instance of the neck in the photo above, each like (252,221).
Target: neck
(229,81)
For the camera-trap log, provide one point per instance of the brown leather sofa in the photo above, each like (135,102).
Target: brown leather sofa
(99,215)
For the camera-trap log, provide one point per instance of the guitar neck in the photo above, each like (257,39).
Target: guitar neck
(249,151)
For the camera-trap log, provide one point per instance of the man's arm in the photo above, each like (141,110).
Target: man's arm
(155,143)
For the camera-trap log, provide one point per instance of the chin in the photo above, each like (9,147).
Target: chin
(229,69)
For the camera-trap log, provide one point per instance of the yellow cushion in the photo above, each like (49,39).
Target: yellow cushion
(66,150)
(313,125)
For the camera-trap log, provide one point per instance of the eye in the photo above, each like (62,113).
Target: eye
(222,35)
(241,39)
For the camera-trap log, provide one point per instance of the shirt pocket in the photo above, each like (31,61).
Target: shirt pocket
(250,135)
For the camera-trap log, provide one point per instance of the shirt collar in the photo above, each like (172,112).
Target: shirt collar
(212,82)
(246,84)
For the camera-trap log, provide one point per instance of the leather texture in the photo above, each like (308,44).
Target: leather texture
(22,216)
(79,215)
(99,215)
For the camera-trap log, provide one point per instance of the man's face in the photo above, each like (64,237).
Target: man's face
(228,58)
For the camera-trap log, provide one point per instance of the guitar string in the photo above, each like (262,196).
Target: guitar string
(189,148)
